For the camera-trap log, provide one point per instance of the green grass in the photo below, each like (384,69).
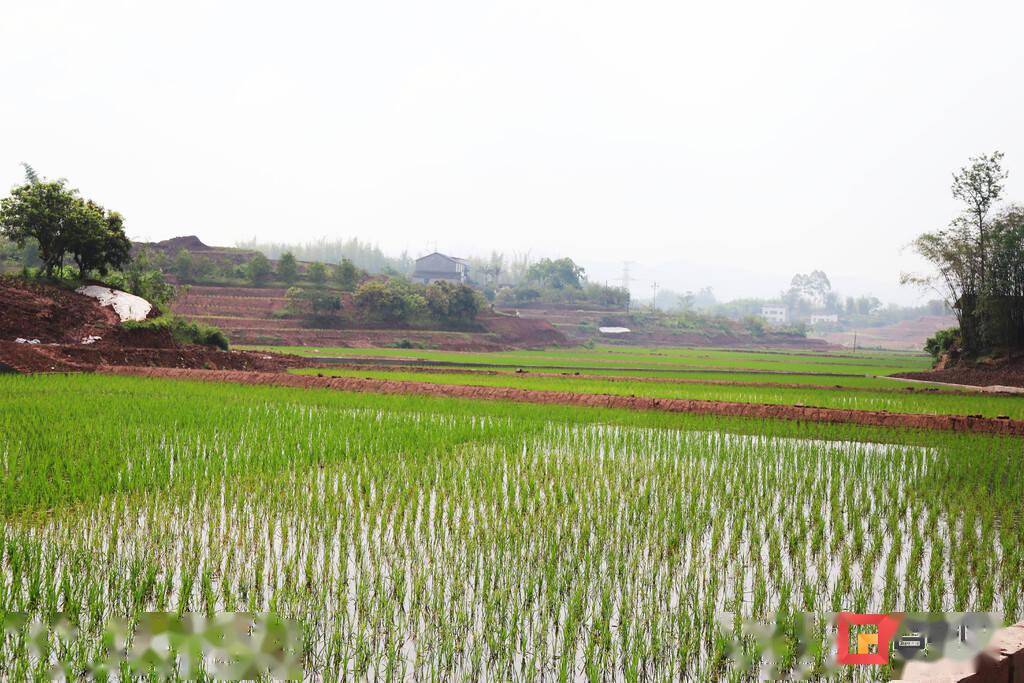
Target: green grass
(448,539)
(612,357)
(892,400)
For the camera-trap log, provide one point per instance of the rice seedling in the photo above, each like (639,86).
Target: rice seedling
(892,400)
(417,538)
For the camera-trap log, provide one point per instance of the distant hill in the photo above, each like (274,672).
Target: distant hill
(906,335)
(192,244)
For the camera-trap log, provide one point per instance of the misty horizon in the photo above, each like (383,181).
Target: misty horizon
(729,147)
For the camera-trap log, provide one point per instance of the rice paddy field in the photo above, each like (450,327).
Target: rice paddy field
(842,380)
(422,538)
(659,359)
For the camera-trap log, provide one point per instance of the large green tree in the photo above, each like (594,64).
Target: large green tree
(97,242)
(562,273)
(976,260)
(62,223)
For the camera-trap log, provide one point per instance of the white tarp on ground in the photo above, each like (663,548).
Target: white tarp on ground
(127,306)
(613,330)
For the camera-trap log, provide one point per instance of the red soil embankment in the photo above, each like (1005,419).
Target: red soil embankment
(955,423)
(73,332)
(1007,375)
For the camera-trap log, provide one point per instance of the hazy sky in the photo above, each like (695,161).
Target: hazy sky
(715,143)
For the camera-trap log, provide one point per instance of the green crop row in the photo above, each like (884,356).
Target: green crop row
(895,401)
(609,357)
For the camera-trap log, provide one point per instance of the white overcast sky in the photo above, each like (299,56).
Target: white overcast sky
(728,144)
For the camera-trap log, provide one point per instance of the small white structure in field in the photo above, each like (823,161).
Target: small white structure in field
(819,318)
(127,306)
(613,330)
(775,314)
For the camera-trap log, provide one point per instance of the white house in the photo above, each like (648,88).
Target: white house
(434,267)
(775,314)
(824,318)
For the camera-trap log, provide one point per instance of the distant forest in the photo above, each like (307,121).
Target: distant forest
(364,255)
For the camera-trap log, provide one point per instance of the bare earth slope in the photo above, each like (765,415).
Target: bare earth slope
(75,333)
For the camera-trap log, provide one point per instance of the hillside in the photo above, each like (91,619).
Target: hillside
(583,325)
(906,335)
(61,330)
(257,315)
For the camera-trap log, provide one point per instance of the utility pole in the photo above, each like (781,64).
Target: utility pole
(654,297)
(625,281)
(625,274)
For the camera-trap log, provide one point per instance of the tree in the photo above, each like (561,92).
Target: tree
(979,185)
(814,286)
(317,273)
(346,275)
(390,300)
(30,173)
(59,221)
(288,268)
(1002,305)
(977,260)
(452,303)
(560,274)
(44,212)
(258,269)
(184,267)
(97,240)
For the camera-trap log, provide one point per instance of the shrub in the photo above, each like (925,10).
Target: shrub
(317,273)
(258,269)
(142,277)
(754,325)
(452,303)
(942,342)
(391,300)
(183,331)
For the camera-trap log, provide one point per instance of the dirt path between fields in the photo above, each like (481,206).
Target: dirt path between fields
(956,423)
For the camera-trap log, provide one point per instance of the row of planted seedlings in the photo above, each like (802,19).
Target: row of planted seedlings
(894,398)
(444,545)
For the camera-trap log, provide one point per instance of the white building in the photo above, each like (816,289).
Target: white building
(775,314)
(824,318)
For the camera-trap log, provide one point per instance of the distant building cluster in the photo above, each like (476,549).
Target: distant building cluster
(780,315)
